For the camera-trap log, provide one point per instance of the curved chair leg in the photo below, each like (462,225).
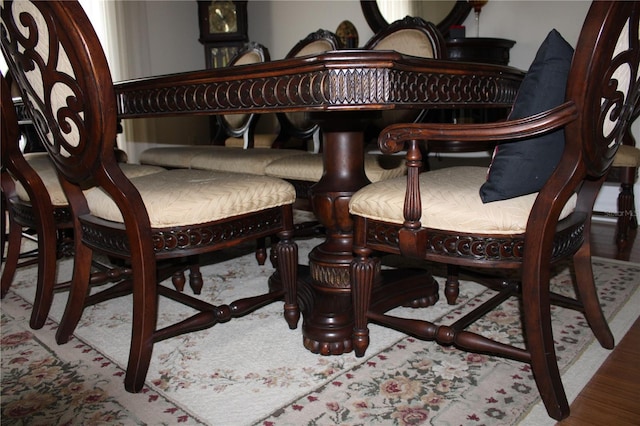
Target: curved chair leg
(14,238)
(588,295)
(287,259)
(145,310)
(363,269)
(78,293)
(539,340)
(47,265)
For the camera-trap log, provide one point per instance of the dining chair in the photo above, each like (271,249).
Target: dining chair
(36,202)
(239,130)
(410,36)
(297,125)
(624,171)
(445,216)
(146,221)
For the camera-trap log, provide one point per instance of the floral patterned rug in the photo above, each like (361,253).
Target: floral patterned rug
(267,377)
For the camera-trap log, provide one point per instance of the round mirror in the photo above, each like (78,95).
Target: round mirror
(443,13)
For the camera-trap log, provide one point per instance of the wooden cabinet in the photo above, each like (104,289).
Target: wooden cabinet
(480,49)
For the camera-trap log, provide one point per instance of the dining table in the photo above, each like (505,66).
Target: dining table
(343,91)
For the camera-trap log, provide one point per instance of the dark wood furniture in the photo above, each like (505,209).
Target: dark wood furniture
(129,219)
(37,213)
(241,126)
(625,172)
(223,30)
(343,90)
(480,49)
(296,125)
(602,93)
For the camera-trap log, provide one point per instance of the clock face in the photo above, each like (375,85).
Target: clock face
(222,17)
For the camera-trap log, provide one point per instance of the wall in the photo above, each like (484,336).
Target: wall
(159,37)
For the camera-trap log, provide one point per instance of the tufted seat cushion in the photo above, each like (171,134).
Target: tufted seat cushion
(170,196)
(173,157)
(260,140)
(308,167)
(450,201)
(252,161)
(627,156)
(45,169)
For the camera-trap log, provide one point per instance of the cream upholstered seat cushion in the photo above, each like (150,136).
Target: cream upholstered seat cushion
(308,167)
(260,140)
(183,197)
(251,161)
(45,169)
(450,201)
(627,156)
(174,157)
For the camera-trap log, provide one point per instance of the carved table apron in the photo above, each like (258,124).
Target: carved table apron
(341,89)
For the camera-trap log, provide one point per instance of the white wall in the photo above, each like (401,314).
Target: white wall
(163,36)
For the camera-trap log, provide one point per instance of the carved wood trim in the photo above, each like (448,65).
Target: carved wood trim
(473,247)
(333,80)
(194,238)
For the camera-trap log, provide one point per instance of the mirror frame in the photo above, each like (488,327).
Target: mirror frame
(377,22)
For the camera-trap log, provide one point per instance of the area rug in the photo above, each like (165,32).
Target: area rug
(255,371)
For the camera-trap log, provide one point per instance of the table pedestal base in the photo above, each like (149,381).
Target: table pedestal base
(328,313)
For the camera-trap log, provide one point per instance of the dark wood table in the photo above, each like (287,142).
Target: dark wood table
(342,90)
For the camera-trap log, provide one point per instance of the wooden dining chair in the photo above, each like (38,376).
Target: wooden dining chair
(410,36)
(297,126)
(146,221)
(624,171)
(36,202)
(239,130)
(445,216)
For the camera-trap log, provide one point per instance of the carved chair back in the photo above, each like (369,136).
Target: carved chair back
(55,55)
(297,124)
(242,125)
(410,36)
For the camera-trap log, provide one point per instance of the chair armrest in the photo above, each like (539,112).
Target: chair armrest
(399,137)
(392,139)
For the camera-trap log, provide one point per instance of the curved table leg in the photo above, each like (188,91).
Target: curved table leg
(326,292)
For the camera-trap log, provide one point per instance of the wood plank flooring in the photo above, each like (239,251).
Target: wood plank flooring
(611,396)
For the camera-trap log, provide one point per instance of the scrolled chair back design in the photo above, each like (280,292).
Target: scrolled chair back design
(614,103)
(53,90)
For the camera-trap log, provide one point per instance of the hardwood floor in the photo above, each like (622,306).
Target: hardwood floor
(611,396)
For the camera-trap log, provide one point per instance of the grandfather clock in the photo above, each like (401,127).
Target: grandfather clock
(223,30)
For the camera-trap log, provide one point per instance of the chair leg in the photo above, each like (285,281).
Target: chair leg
(47,266)
(452,285)
(78,293)
(627,217)
(195,276)
(363,269)
(539,340)
(145,311)
(588,295)
(261,251)
(287,260)
(14,239)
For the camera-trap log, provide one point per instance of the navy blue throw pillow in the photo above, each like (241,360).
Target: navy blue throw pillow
(523,167)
